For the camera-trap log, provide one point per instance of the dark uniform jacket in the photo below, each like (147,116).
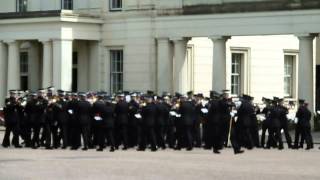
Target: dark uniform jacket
(187,111)
(106,112)
(60,110)
(149,113)
(11,111)
(304,116)
(162,114)
(122,112)
(83,112)
(245,114)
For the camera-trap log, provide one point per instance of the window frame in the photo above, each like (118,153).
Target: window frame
(237,66)
(21,6)
(116,70)
(294,78)
(67,3)
(24,65)
(245,67)
(111,8)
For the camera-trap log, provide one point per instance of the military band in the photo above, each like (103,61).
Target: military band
(136,120)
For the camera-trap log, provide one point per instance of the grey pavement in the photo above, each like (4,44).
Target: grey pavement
(164,164)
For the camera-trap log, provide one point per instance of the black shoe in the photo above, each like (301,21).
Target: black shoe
(141,149)
(112,149)
(216,151)
(49,148)
(280,147)
(5,146)
(64,147)
(308,148)
(189,149)
(18,146)
(124,148)
(154,149)
(238,152)
(100,149)
(84,149)
(177,148)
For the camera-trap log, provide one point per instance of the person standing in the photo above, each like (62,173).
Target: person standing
(304,116)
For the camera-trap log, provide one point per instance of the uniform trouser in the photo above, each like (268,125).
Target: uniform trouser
(197,134)
(36,133)
(206,135)
(306,133)
(298,136)
(287,135)
(75,136)
(263,135)
(188,136)
(15,131)
(234,138)
(85,129)
(47,131)
(110,136)
(215,136)
(124,135)
(100,133)
(170,139)
(160,136)
(255,135)
(64,134)
(275,134)
(247,140)
(148,133)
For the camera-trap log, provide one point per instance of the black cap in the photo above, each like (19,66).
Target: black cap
(200,95)
(149,92)
(177,95)
(302,101)
(190,93)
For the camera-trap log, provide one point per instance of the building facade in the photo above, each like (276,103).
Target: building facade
(257,47)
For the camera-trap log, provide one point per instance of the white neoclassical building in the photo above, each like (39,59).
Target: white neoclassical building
(257,47)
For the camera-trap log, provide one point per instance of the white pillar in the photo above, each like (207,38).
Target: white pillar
(62,64)
(164,66)
(13,65)
(34,67)
(47,64)
(219,67)
(179,65)
(306,70)
(95,65)
(3,72)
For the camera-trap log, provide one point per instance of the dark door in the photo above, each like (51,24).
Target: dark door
(318,87)
(74,71)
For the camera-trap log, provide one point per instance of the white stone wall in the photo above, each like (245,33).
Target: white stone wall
(266,57)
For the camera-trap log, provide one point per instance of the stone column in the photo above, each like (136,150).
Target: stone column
(62,64)
(179,65)
(306,71)
(164,66)
(13,65)
(3,73)
(219,69)
(47,64)
(95,65)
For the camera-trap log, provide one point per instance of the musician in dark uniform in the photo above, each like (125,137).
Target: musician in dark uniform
(214,124)
(83,114)
(224,111)
(284,122)
(304,116)
(161,121)
(99,109)
(37,111)
(148,113)
(134,130)
(187,112)
(122,112)
(275,125)
(11,116)
(266,123)
(60,110)
(75,137)
(245,113)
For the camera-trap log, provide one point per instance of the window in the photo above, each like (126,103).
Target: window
(67,4)
(24,70)
(115,5)
(288,75)
(116,57)
(22,5)
(236,73)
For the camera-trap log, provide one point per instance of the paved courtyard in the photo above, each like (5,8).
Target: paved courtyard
(132,165)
